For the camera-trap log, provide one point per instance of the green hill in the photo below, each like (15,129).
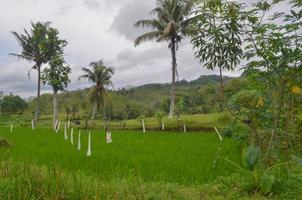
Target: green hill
(192,97)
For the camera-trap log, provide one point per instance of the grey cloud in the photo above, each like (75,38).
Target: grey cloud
(133,11)
(92,5)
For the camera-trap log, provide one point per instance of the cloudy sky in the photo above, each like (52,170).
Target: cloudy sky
(94,29)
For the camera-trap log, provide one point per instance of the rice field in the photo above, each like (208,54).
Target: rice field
(169,157)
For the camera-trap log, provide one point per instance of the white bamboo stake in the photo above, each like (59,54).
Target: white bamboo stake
(219,135)
(65,133)
(144,128)
(108,138)
(162,125)
(11,127)
(68,123)
(71,136)
(79,140)
(32,124)
(89,145)
(58,127)
(185,128)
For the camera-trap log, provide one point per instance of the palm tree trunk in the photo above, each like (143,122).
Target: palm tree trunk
(55,109)
(38,94)
(174,64)
(221,90)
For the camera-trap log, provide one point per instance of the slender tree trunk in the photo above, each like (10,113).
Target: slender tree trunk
(221,90)
(276,122)
(55,109)
(94,109)
(38,94)
(174,65)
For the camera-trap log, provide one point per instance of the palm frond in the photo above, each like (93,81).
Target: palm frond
(152,23)
(22,57)
(154,35)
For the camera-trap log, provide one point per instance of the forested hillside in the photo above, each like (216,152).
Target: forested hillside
(192,97)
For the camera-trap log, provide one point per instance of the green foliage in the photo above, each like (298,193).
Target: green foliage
(251,156)
(218,41)
(273,51)
(199,96)
(13,105)
(34,44)
(56,75)
(101,76)
(160,115)
(170,24)
(266,183)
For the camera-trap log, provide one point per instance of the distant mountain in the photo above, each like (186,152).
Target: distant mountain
(202,80)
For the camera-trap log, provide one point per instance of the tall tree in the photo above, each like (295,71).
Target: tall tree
(100,75)
(218,42)
(56,75)
(34,44)
(170,24)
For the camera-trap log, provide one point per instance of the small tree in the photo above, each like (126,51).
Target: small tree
(56,75)
(101,76)
(218,42)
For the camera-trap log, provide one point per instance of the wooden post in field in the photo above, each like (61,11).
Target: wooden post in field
(71,136)
(58,127)
(143,124)
(219,135)
(89,145)
(79,140)
(11,127)
(185,128)
(32,124)
(65,133)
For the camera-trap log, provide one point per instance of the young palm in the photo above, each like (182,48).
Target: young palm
(34,49)
(170,24)
(101,75)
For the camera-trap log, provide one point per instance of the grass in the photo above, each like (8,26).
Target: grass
(204,122)
(154,156)
(155,165)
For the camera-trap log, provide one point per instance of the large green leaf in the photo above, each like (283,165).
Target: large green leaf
(266,183)
(251,156)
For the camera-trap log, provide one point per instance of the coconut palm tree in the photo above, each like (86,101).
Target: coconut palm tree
(100,75)
(171,24)
(34,49)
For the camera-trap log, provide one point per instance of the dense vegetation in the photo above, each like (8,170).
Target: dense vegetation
(143,100)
